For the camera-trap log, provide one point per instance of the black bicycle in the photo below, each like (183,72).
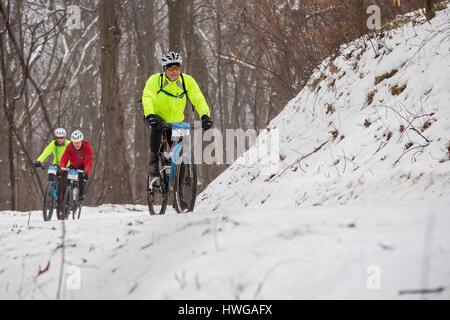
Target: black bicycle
(178,173)
(51,201)
(72,202)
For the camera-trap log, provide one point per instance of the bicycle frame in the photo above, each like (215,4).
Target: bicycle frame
(73,182)
(52,178)
(51,194)
(176,148)
(170,153)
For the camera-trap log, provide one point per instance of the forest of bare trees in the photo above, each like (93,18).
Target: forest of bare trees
(249,58)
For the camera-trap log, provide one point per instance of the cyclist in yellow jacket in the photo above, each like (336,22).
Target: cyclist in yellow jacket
(57,147)
(164,99)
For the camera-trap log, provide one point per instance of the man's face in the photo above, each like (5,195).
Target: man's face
(173,72)
(77,145)
(60,141)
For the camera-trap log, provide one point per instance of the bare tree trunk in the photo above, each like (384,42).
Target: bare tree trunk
(189,36)
(259,95)
(25,66)
(116,178)
(176,14)
(189,40)
(12,172)
(8,107)
(237,107)
(145,50)
(219,71)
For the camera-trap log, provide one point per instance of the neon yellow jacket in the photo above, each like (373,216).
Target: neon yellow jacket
(171,109)
(57,151)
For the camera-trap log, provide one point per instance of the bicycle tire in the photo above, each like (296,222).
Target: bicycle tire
(68,203)
(157,197)
(48,203)
(79,212)
(185,188)
(60,213)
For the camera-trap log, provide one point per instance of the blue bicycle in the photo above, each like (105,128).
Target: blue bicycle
(51,200)
(178,173)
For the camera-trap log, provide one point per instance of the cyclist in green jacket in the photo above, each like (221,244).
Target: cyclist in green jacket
(57,147)
(164,99)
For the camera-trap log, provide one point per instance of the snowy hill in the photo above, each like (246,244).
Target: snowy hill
(350,213)
(379,115)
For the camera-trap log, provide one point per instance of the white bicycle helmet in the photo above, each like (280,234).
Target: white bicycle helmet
(171,58)
(60,133)
(76,136)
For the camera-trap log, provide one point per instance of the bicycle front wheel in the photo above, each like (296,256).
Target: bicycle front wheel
(68,204)
(79,212)
(157,196)
(185,186)
(48,203)
(157,203)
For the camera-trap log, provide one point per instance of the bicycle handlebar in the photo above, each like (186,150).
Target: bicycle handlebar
(67,169)
(192,125)
(62,169)
(46,167)
(166,126)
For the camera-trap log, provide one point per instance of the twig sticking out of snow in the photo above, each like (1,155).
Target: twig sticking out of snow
(299,160)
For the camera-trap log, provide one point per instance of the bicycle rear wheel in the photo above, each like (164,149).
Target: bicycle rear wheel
(48,203)
(157,194)
(185,180)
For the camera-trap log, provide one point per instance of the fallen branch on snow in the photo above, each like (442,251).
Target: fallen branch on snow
(422,291)
(298,161)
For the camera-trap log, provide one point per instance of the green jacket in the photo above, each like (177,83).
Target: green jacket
(171,109)
(57,151)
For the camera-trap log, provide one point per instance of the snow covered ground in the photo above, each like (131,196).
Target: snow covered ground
(358,208)
(360,251)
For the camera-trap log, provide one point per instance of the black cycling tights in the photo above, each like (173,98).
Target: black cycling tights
(155,139)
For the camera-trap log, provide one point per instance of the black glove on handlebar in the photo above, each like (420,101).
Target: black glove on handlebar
(154,121)
(206,122)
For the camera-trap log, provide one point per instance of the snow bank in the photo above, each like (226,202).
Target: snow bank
(380,113)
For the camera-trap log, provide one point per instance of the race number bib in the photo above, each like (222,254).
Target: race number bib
(52,170)
(72,175)
(180,132)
